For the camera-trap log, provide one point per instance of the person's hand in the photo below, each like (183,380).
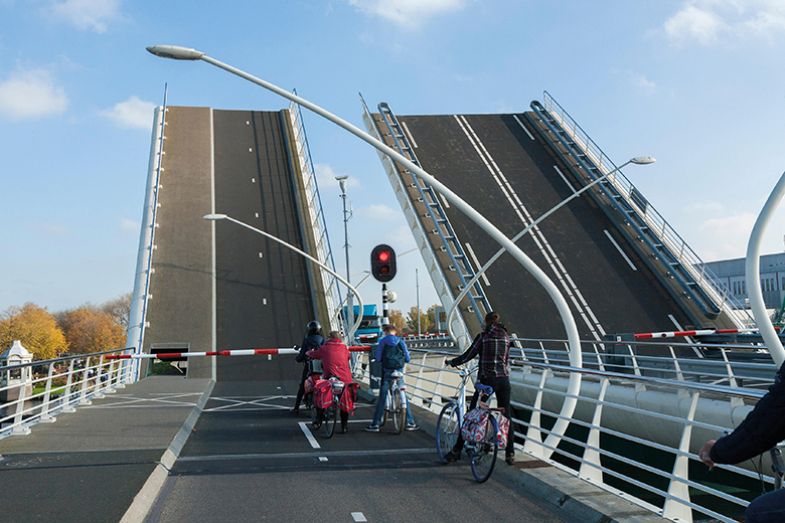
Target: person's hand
(705,453)
(451,363)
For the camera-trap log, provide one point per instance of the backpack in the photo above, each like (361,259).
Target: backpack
(392,356)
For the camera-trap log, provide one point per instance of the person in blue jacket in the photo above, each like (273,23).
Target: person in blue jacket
(392,352)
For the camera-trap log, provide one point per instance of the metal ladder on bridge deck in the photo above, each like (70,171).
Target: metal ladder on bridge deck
(583,162)
(450,244)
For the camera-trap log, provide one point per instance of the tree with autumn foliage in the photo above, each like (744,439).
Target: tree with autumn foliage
(397,320)
(90,329)
(36,328)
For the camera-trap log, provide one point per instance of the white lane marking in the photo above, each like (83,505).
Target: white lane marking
(689,340)
(322,458)
(523,126)
(409,134)
(477,263)
(676,323)
(309,436)
(572,189)
(446,203)
(358,517)
(570,289)
(618,248)
(264,301)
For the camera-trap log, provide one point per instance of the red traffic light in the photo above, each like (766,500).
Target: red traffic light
(383,263)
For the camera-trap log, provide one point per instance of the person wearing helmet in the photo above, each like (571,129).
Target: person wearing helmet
(313,340)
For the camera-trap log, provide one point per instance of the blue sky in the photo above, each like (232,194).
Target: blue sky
(699,84)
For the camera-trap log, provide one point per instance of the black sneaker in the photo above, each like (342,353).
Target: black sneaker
(452,456)
(372,428)
(412,427)
(509,459)
(344,430)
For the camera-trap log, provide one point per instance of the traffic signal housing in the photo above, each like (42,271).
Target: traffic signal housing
(383,263)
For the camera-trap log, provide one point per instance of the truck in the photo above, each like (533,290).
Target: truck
(370,329)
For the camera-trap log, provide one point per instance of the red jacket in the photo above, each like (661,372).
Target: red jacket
(335,360)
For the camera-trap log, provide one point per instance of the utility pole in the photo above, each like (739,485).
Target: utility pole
(347,214)
(417,284)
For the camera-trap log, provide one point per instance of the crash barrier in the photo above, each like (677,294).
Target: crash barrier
(644,411)
(233,352)
(36,392)
(691,333)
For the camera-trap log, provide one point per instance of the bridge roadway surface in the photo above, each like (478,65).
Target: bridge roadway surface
(247,459)
(578,247)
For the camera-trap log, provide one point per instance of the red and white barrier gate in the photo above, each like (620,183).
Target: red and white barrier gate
(698,332)
(236,352)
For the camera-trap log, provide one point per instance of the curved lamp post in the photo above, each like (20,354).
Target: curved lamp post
(353,329)
(638,160)
(576,358)
(752,274)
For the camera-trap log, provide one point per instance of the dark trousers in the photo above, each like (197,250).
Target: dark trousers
(301,390)
(768,508)
(501,389)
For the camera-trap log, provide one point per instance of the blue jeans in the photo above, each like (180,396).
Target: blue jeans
(768,508)
(384,389)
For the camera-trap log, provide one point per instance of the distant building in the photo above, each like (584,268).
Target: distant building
(730,276)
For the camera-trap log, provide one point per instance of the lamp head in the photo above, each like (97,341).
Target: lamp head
(175,52)
(214,217)
(643,160)
(342,182)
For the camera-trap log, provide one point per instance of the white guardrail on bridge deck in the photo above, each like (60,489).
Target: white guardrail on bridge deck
(644,411)
(36,392)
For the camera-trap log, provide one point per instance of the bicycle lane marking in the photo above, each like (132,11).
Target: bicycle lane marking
(309,435)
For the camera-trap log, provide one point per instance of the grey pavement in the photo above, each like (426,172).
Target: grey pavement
(90,464)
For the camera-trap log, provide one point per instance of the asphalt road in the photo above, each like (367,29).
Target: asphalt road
(263,291)
(249,459)
(492,162)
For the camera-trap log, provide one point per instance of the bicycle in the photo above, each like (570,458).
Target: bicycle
(396,403)
(331,414)
(482,454)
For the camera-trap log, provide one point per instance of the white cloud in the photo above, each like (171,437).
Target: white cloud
(133,113)
(407,13)
(725,236)
(709,21)
(31,94)
(325,177)
(643,82)
(378,211)
(86,15)
(128,225)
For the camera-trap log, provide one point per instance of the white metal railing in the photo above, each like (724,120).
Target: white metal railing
(57,386)
(644,411)
(313,205)
(656,222)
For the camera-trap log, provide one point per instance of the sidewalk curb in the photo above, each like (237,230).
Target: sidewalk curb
(145,498)
(575,499)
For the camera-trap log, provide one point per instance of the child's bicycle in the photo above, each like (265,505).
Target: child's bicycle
(482,454)
(396,404)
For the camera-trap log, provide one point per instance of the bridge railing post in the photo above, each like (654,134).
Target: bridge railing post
(85,378)
(676,506)
(69,383)
(45,404)
(98,388)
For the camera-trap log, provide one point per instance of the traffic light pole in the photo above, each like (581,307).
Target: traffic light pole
(385,306)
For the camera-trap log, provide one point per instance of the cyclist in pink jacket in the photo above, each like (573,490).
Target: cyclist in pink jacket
(335,363)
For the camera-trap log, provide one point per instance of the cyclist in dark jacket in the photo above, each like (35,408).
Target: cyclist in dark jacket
(492,345)
(761,430)
(313,340)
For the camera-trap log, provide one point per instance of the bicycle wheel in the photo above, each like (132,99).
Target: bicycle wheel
(447,429)
(483,456)
(398,410)
(330,418)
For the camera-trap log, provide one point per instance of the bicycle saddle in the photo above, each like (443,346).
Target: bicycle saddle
(485,389)
(397,374)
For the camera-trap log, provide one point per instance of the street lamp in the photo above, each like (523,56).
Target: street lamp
(638,160)
(573,338)
(342,180)
(356,325)
(752,274)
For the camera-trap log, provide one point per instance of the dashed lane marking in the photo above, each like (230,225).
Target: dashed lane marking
(409,134)
(477,264)
(323,459)
(358,516)
(618,248)
(523,126)
(309,436)
(572,189)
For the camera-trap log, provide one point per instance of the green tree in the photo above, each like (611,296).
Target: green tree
(397,320)
(36,328)
(426,324)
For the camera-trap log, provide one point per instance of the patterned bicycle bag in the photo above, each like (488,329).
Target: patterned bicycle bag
(475,425)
